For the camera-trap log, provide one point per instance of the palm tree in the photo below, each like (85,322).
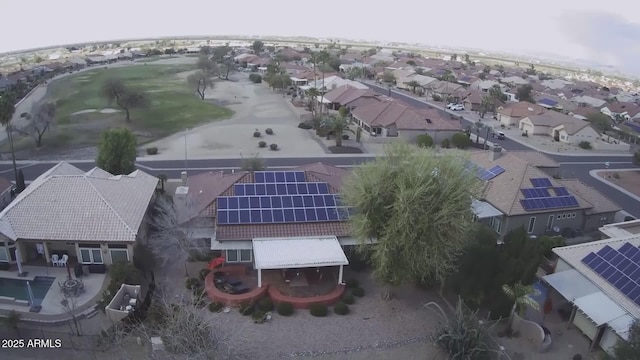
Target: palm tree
(323,57)
(519,294)
(496,95)
(338,125)
(7,109)
(313,93)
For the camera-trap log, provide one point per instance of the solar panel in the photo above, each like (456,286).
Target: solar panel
(238,189)
(259,177)
(271,189)
(561,191)
(540,203)
(279,176)
(541,182)
(497,170)
(618,268)
(535,193)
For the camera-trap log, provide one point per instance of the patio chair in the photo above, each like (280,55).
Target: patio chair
(63,261)
(55,261)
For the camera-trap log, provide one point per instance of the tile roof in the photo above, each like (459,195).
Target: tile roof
(521,109)
(503,191)
(67,204)
(5,184)
(621,107)
(346,93)
(535,158)
(386,112)
(571,124)
(601,204)
(574,254)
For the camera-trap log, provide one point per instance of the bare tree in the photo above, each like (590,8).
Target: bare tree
(171,240)
(201,81)
(42,118)
(207,65)
(69,304)
(126,98)
(226,67)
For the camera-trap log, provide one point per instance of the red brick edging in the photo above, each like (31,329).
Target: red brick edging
(231,299)
(306,302)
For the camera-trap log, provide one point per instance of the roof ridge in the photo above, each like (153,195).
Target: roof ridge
(524,175)
(108,204)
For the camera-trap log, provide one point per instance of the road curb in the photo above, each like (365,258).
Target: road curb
(594,174)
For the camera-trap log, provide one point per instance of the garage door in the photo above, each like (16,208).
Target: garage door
(582,322)
(609,340)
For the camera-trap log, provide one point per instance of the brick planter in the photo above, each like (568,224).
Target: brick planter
(306,302)
(230,299)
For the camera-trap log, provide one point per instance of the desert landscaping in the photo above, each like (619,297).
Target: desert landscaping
(628,180)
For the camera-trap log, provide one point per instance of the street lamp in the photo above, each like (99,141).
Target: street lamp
(186,131)
(389,87)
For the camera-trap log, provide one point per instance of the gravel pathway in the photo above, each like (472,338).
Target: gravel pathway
(373,325)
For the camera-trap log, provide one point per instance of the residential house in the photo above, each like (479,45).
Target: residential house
(514,81)
(519,194)
(386,117)
(588,101)
(511,114)
(253,212)
(555,84)
(473,101)
(621,110)
(422,81)
(583,112)
(596,284)
(554,102)
(332,82)
(484,85)
(564,128)
(466,80)
(94,217)
(7,192)
(442,89)
(345,95)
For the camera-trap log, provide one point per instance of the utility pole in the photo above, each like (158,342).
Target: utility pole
(186,167)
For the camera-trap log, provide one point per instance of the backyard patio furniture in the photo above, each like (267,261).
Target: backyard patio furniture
(240,289)
(55,261)
(233,281)
(63,261)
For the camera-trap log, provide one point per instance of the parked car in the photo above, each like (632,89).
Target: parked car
(499,135)
(450,105)
(457,107)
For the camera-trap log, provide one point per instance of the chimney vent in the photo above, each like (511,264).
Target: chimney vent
(495,152)
(183,178)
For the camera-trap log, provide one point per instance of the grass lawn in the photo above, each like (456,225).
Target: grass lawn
(174,106)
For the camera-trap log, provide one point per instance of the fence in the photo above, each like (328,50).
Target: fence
(54,339)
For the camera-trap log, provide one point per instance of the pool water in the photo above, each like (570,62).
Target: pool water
(17,288)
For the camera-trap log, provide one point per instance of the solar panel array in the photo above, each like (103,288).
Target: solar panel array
(620,268)
(280,197)
(487,175)
(279,176)
(541,182)
(539,197)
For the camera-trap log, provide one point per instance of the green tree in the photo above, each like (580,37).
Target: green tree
(454,57)
(207,66)
(600,121)
(424,141)
(200,80)
(413,85)
(461,140)
(482,76)
(629,350)
(355,73)
(496,95)
(117,151)
(413,241)
(126,98)
(343,111)
(7,109)
(467,59)
(519,295)
(388,77)
(419,70)
(524,93)
(531,70)
(257,46)
(338,125)
(254,163)
(312,94)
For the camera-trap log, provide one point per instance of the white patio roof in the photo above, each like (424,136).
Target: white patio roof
(571,284)
(484,210)
(286,253)
(599,308)
(622,325)
(295,79)
(323,99)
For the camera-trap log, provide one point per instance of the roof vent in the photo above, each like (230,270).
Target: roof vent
(182,190)
(530,109)
(429,121)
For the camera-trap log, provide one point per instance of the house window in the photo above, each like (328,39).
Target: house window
(532,224)
(119,255)
(497,225)
(573,215)
(564,216)
(234,256)
(4,256)
(550,222)
(91,256)
(559,217)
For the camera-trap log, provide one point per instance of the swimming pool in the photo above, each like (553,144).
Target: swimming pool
(17,288)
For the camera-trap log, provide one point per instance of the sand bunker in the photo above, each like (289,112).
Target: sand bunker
(103,111)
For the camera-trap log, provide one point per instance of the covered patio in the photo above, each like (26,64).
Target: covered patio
(291,254)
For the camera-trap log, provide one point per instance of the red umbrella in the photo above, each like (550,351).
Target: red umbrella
(217,262)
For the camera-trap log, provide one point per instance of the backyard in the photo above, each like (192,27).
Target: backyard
(82,111)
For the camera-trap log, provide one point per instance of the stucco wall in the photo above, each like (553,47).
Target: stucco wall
(594,222)
(540,226)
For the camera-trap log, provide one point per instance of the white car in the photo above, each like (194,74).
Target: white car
(457,107)
(450,105)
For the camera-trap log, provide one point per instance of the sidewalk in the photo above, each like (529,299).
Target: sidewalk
(473,118)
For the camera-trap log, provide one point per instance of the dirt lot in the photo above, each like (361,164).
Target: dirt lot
(628,180)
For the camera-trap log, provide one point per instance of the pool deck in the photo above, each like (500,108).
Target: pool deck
(52,311)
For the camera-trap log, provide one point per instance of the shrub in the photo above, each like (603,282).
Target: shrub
(424,140)
(192,283)
(445,143)
(257,134)
(273,147)
(262,144)
(352,283)
(636,158)
(215,307)
(305,126)
(269,131)
(284,309)
(246,309)
(255,78)
(259,316)
(436,97)
(152,150)
(585,145)
(359,292)
(319,310)
(460,140)
(348,299)
(203,274)
(265,304)
(345,137)
(341,309)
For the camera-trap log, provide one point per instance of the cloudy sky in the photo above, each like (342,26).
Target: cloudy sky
(602,31)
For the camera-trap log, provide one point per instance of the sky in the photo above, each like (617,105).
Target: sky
(606,32)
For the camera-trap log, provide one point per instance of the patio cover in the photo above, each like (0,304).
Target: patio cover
(599,308)
(287,253)
(570,284)
(622,325)
(484,210)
